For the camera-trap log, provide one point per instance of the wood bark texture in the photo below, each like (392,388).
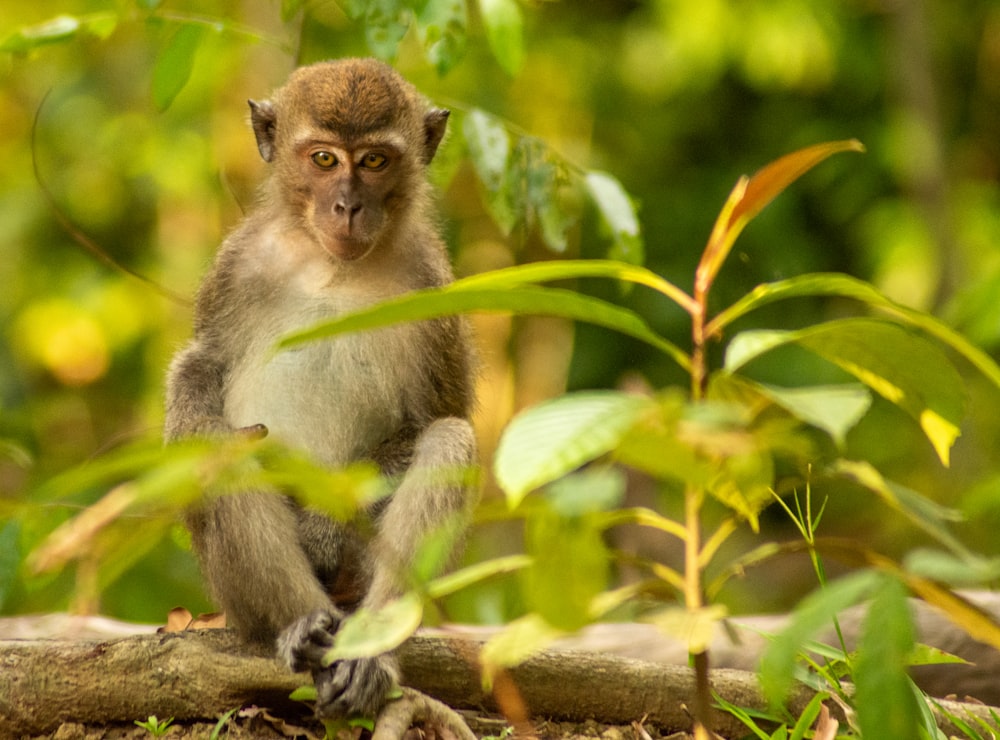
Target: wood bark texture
(203,674)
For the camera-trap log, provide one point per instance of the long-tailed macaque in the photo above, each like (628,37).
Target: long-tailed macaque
(344,220)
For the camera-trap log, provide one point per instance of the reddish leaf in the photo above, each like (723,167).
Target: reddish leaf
(750,197)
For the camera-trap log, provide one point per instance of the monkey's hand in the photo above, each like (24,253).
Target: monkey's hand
(356,687)
(305,641)
(359,686)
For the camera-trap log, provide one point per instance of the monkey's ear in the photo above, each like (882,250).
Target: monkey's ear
(264,121)
(434,125)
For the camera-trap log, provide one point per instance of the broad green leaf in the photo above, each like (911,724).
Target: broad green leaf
(952,569)
(469,576)
(504,25)
(54,30)
(815,612)
(289,8)
(752,195)
(58,29)
(835,409)
(618,215)
(442,25)
(516,642)
(386,23)
(367,633)
(587,492)
(569,568)
(844,286)
(554,438)
(904,368)
(175,63)
(693,627)
(557,211)
(743,483)
(925,513)
(540,272)
(460,298)
(488,144)
(545,192)
(884,698)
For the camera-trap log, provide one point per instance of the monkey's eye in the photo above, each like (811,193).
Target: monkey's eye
(374,161)
(325,160)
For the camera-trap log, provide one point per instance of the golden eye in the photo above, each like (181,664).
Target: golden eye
(326,160)
(374,161)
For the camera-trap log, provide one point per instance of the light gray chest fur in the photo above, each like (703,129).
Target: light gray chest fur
(336,398)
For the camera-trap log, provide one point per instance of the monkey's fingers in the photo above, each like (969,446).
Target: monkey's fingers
(304,643)
(354,687)
(254,431)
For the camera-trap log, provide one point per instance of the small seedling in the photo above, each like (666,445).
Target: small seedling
(154,726)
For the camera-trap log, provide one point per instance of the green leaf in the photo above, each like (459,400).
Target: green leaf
(554,438)
(175,63)
(542,187)
(488,144)
(835,409)
(569,568)
(693,627)
(504,25)
(844,286)
(460,298)
(304,693)
(587,492)
(469,576)
(442,27)
(815,612)
(367,633)
(922,511)
(884,698)
(386,23)
(540,272)
(289,8)
(904,368)
(54,30)
(954,570)
(517,641)
(927,655)
(618,215)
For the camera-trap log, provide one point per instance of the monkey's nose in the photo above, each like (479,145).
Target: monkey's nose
(350,210)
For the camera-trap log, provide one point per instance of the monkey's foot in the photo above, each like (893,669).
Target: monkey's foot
(355,687)
(415,707)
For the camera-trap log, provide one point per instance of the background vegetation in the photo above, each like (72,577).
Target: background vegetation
(674,99)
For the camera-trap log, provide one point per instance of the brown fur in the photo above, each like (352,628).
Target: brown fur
(321,242)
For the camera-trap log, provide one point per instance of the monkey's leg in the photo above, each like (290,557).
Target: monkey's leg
(256,568)
(434,493)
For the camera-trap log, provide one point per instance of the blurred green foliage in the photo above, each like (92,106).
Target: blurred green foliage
(134,114)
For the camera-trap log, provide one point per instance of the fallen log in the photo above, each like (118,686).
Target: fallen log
(203,674)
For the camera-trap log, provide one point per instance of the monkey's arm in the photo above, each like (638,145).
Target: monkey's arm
(195,386)
(434,493)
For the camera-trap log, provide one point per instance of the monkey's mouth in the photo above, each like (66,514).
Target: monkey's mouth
(346,248)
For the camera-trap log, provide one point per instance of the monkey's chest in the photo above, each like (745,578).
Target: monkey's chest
(335,398)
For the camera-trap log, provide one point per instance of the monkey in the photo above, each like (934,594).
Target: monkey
(344,219)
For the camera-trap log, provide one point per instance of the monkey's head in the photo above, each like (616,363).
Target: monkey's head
(349,142)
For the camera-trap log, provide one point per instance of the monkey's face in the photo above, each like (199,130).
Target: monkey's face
(350,141)
(350,194)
